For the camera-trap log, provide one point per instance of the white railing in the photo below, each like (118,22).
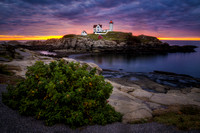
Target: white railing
(101,33)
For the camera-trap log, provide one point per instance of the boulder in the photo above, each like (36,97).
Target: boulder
(131,107)
(129,89)
(92,65)
(140,93)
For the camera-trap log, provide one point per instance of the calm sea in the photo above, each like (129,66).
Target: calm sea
(181,63)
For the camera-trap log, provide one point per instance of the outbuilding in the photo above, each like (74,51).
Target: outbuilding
(84,33)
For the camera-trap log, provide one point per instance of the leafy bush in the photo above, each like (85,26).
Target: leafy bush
(63,93)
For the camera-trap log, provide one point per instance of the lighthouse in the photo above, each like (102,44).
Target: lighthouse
(111,25)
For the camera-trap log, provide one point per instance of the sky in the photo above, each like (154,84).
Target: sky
(42,19)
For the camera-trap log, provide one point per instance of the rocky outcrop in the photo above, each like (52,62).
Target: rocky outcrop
(29,58)
(122,43)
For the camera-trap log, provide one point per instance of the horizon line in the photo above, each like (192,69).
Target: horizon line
(32,37)
(179,38)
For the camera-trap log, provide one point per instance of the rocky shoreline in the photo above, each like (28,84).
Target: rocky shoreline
(131,95)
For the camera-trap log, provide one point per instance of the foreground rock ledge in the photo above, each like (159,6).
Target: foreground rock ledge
(140,104)
(132,101)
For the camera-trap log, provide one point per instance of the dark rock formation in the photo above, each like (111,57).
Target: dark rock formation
(157,81)
(8,51)
(174,79)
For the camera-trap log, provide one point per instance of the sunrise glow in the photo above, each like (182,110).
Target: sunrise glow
(181,39)
(18,37)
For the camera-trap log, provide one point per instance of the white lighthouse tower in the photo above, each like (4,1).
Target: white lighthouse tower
(111,25)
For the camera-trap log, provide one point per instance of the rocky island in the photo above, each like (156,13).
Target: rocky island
(114,42)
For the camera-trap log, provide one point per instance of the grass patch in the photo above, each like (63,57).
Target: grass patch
(93,36)
(186,118)
(117,36)
(112,36)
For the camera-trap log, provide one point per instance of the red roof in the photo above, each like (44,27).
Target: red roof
(96,26)
(111,22)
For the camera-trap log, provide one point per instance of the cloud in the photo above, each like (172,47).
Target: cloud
(180,17)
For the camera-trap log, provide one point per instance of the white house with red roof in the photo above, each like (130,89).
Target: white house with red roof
(99,30)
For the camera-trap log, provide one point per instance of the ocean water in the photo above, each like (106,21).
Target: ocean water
(181,63)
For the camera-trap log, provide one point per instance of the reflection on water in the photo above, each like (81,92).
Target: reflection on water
(182,63)
(47,53)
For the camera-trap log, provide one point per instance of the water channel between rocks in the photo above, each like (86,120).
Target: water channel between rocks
(133,67)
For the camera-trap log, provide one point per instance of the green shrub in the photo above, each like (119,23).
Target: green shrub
(63,93)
